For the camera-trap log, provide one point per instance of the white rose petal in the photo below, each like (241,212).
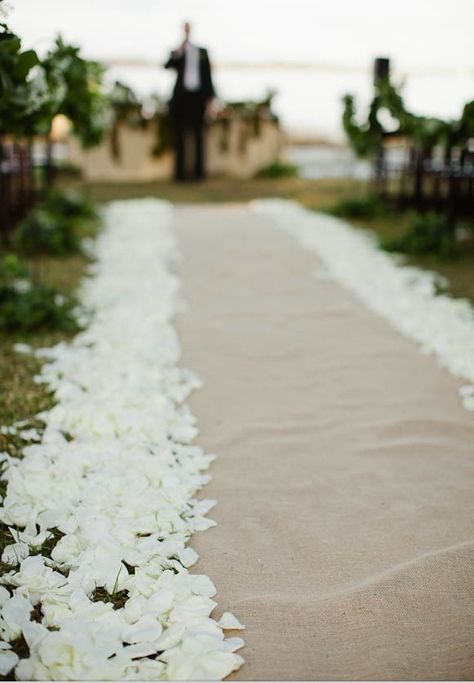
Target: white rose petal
(228,622)
(4,596)
(8,660)
(209,666)
(188,557)
(233,644)
(15,614)
(146,629)
(15,553)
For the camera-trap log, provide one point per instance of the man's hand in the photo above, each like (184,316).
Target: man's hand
(180,50)
(212,107)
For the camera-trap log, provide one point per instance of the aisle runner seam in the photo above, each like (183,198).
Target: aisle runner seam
(406,296)
(115,474)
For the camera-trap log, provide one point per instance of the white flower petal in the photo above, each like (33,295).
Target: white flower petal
(15,614)
(146,629)
(228,622)
(8,660)
(14,553)
(233,644)
(4,596)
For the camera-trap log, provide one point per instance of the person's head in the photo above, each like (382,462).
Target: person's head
(187,30)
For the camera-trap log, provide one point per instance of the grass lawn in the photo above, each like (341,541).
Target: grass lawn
(318,194)
(20,397)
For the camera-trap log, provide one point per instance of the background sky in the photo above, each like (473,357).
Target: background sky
(428,37)
(415,32)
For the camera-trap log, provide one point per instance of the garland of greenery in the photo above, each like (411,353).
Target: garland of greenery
(425,132)
(125,107)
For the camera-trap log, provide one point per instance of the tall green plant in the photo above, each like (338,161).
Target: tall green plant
(33,92)
(77,83)
(17,100)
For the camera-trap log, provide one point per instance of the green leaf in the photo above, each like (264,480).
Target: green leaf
(9,43)
(25,62)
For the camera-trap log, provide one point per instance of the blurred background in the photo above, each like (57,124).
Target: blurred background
(309,52)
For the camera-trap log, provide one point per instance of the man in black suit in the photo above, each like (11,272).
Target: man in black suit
(192,93)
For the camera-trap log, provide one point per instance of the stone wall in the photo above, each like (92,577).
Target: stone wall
(235,148)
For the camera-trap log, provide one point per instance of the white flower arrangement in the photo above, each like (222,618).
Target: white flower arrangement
(113,479)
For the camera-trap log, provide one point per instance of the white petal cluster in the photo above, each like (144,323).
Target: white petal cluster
(408,297)
(114,479)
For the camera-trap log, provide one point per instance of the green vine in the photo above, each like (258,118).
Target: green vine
(425,132)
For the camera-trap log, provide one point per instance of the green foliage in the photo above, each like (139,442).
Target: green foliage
(278,169)
(369,206)
(17,99)
(429,232)
(466,123)
(252,111)
(25,306)
(164,129)
(56,227)
(363,138)
(125,104)
(43,232)
(251,108)
(32,92)
(164,134)
(11,269)
(71,204)
(77,85)
(126,108)
(425,132)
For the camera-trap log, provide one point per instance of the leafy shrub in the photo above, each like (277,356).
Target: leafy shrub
(70,205)
(278,169)
(360,207)
(26,306)
(56,227)
(43,232)
(429,232)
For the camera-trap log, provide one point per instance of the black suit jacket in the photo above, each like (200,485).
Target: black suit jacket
(177,61)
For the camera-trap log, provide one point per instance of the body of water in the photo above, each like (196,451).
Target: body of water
(323,161)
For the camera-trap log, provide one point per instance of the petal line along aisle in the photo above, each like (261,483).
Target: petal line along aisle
(112,484)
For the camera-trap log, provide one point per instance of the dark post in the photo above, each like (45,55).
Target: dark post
(49,165)
(4,208)
(31,174)
(381,72)
(381,69)
(418,176)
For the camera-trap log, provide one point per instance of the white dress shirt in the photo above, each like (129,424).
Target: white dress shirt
(192,76)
